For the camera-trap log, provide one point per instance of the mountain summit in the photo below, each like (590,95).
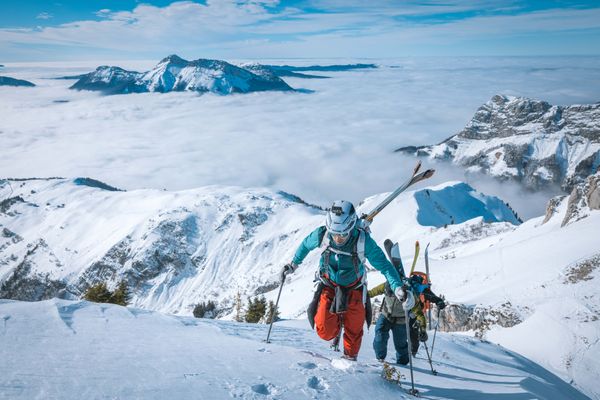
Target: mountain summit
(173,73)
(526,140)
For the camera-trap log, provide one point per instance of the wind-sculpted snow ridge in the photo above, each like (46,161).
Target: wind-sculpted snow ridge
(7,81)
(526,140)
(76,349)
(176,74)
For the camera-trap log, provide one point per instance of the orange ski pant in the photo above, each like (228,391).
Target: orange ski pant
(328,324)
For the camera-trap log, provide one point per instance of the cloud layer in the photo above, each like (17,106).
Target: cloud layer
(337,142)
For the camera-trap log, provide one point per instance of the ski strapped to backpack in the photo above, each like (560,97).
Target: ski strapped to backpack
(415,178)
(417,248)
(428,277)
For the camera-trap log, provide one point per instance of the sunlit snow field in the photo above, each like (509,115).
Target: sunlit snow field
(336,142)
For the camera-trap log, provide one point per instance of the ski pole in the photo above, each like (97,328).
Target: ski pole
(336,342)
(433,371)
(275,309)
(428,277)
(412,391)
(437,323)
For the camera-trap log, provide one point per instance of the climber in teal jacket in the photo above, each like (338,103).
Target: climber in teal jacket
(341,298)
(341,269)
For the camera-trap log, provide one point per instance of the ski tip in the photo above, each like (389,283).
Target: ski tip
(428,174)
(417,167)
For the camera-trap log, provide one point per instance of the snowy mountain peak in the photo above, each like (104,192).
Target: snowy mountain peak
(526,140)
(176,74)
(173,59)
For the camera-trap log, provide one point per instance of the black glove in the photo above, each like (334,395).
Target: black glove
(288,268)
(441,304)
(423,335)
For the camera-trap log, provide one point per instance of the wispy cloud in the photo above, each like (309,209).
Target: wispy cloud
(316,28)
(44,15)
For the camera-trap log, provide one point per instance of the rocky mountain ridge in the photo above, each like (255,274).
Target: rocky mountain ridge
(526,140)
(176,74)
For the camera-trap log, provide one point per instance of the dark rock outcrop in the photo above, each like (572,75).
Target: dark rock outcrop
(7,81)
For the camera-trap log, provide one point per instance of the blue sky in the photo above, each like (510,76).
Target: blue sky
(34,30)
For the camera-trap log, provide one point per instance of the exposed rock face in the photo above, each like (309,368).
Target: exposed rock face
(552,207)
(26,284)
(582,270)
(462,318)
(176,74)
(584,198)
(526,140)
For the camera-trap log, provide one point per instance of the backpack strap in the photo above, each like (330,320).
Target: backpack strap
(358,254)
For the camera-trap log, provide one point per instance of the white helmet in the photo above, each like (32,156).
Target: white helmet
(341,218)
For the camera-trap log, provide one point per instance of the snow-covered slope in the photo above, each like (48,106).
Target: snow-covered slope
(72,350)
(526,140)
(57,237)
(506,282)
(532,287)
(537,287)
(176,74)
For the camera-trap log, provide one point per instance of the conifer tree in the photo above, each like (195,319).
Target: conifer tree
(121,295)
(205,310)
(98,293)
(238,307)
(256,309)
(272,313)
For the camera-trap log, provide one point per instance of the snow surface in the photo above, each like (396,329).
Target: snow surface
(237,239)
(75,349)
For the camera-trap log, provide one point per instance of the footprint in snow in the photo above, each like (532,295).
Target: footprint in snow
(307,365)
(262,388)
(317,384)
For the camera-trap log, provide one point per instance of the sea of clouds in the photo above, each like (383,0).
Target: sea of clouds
(335,142)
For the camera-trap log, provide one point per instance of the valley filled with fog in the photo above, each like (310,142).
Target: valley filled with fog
(333,139)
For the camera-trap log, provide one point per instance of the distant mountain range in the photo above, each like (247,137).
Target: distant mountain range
(526,140)
(6,81)
(176,74)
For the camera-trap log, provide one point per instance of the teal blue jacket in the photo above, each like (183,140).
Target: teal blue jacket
(341,269)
